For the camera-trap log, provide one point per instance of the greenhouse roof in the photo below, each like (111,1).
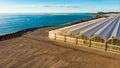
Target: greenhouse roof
(105,28)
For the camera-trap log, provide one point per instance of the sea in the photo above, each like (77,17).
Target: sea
(11,23)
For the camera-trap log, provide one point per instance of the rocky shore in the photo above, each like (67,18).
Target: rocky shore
(16,34)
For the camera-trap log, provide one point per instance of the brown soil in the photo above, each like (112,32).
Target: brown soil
(35,50)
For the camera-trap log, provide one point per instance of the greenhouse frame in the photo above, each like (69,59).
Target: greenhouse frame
(102,33)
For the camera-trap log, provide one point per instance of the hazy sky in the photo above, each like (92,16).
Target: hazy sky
(58,6)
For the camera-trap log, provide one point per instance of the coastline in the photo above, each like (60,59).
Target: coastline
(22,32)
(33,47)
(18,33)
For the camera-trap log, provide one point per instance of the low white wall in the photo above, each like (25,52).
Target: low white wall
(86,42)
(113,48)
(80,42)
(99,45)
(59,37)
(51,35)
(70,40)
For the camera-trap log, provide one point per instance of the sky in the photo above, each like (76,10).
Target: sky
(59,6)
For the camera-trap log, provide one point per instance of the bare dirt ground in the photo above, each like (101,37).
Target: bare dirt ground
(35,50)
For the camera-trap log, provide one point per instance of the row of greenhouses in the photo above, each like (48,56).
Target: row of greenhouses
(102,33)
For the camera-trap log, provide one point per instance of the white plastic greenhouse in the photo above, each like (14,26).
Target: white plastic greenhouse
(103,33)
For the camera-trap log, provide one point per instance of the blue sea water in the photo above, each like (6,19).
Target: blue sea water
(10,23)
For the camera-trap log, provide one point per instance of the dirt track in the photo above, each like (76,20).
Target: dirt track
(35,50)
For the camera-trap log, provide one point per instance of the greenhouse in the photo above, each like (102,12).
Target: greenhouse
(102,33)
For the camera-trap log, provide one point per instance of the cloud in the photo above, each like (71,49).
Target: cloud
(50,6)
(61,6)
(38,8)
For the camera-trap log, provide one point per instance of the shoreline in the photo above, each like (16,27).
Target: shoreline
(22,32)
(34,48)
(19,33)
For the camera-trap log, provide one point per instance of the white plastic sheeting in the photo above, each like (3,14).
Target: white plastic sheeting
(65,29)
(89,32)
(118,32)
(105,28)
